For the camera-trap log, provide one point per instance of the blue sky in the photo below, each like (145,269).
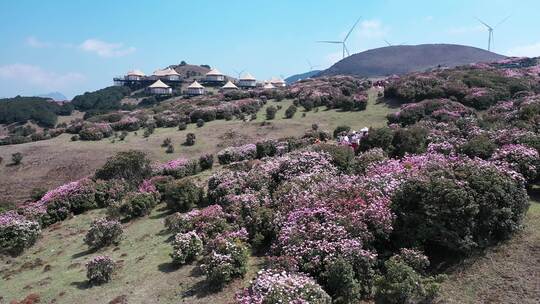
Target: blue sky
(76,46)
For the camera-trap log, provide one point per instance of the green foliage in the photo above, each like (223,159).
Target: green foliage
(18,235)
(190,139)
(480,146)
(170,149)
(182,126)
(102,233)
(109,191)
(342,156)
(226,263)
(291,110)
(16,158)
(340,282)
(182,195)
(341,129)
(412,140)
(104,99)
(132,166)
(186,247)
(134,205)
(200,123)
(367,158)
(41,110)
(271,112)
(378,138)
(206,161)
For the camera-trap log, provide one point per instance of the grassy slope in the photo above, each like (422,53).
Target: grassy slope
(53,162)
(508,273)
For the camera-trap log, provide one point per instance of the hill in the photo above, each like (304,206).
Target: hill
(296,77)
(402,59)
(56,96)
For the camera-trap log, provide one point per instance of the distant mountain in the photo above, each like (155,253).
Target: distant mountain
(297,77)
(56,96)
(402,59)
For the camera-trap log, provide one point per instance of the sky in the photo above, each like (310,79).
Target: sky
(77,46)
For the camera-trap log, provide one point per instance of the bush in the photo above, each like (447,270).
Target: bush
(37,193)
(182,126)
(226,263)
(134,205)
(170,149)
(479,146)
(235,154)
(182,195)
(190,139)
(16,158)
(103,232)
(107,192)
(271,112)
(412,140)
(367,158)
(186,247)
(521,159)
(458,210)
(378,138)
(341,283)
(17,233)
(341,129)
(132,166)
(100,269)
(291,110)
(206,161)
(200,122)
(342,156)
(123,135)
(74,137)
(166,142)
(402,284)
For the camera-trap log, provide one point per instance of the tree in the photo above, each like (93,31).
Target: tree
(133,166)
(271,112)
(190,139)
(16,158)
(291,110)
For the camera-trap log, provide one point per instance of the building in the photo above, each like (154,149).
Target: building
(135,75)
(229,86)
(159,88)
(269,86)
(247,81)
(195,89)
(166,74)
(214,76)
(277,82)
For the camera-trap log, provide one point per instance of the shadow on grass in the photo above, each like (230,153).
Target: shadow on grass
(201,289)
(81,285)
(167,267)
(82,253)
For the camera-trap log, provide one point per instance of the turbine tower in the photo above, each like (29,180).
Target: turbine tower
(310,65)
(344,46)
(491,29)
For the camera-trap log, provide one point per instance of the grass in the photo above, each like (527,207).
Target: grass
(53,162)
(55,267)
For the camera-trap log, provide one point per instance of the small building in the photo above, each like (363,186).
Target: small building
(214,76)
(195,89)
(269,86)
(247,81)
(167,74)
(159,88)
(278,82)
(229,86)
(135,75)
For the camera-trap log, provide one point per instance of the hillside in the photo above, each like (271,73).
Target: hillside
(301,76)
(402,59)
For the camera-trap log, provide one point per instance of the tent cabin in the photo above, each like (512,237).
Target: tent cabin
(166,74)
(229,86)
(277,82)
(247,81)
(269,86)
(214,76)
(195,89)
(159,88)
(135,75)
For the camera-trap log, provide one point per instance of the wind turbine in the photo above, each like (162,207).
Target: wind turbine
(389,44)
(490,30)
(311,66)
(344,47)
(239,73)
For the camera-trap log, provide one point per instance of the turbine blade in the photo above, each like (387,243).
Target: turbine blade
(352,28)
(489,27)
(502,21)
(346,49)
(389,44)
(326,41)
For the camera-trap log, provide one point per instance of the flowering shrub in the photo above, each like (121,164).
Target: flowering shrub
(103,232)
(177,168)
(521,158)
(96,131)
(17,233)
(182,195)
(368,158)
(186,247)
(435,109)
(206,161)
(271,287)
(127,123)
(226,262)
(234,154)
(107,192)
(135,204)
(207,222)
(100,269)
(303,164)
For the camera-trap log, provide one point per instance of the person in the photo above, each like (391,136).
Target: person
(355,141)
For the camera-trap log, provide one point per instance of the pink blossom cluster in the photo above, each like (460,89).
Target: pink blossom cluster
(520,158)
(235,154)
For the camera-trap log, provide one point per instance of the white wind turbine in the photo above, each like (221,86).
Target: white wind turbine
(344,47)
(311,66)
(491,29)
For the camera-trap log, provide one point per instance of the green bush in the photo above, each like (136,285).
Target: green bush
(271,112)
(182,126)
(132,166)
(182,195)
(170,149)
(107,192)
(134,205)
(291,110)
(100,269)
(186,247)
(206,161)
(190,139)
(102,233)
(340,282)
(16,158)
(17,233)
(479,146)
(412,140)
(341,129)
(226,263)
(342,156)
(200,122)
(378,138)
(367,158)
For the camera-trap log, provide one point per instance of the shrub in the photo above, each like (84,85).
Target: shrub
(207,222)
(170,149)
(291,110)
(37,193)
(132,166)
(225,263)
(341,129)
(100,269)
(378,138)
(200,122)
(206,161)
(17,233)
(166,142)
(190,139)
(103,232)
(178,168)
(266,148)
(123,135)
(182,126)
(110,191)
(182,195)
(234,154)
(341,283)
(74,137)
(412,140)
(480,146)
(342,156)
(272,287)
(271,112)
(134,205)
(186,247)
(16,158)
(521,158)
(367,158)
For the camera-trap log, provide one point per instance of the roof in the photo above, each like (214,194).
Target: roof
(159,84)
(277,80)
(229,85)
(214,72)
(247,76)
(195,85)
(135,73)
(269,86)
(165,72)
